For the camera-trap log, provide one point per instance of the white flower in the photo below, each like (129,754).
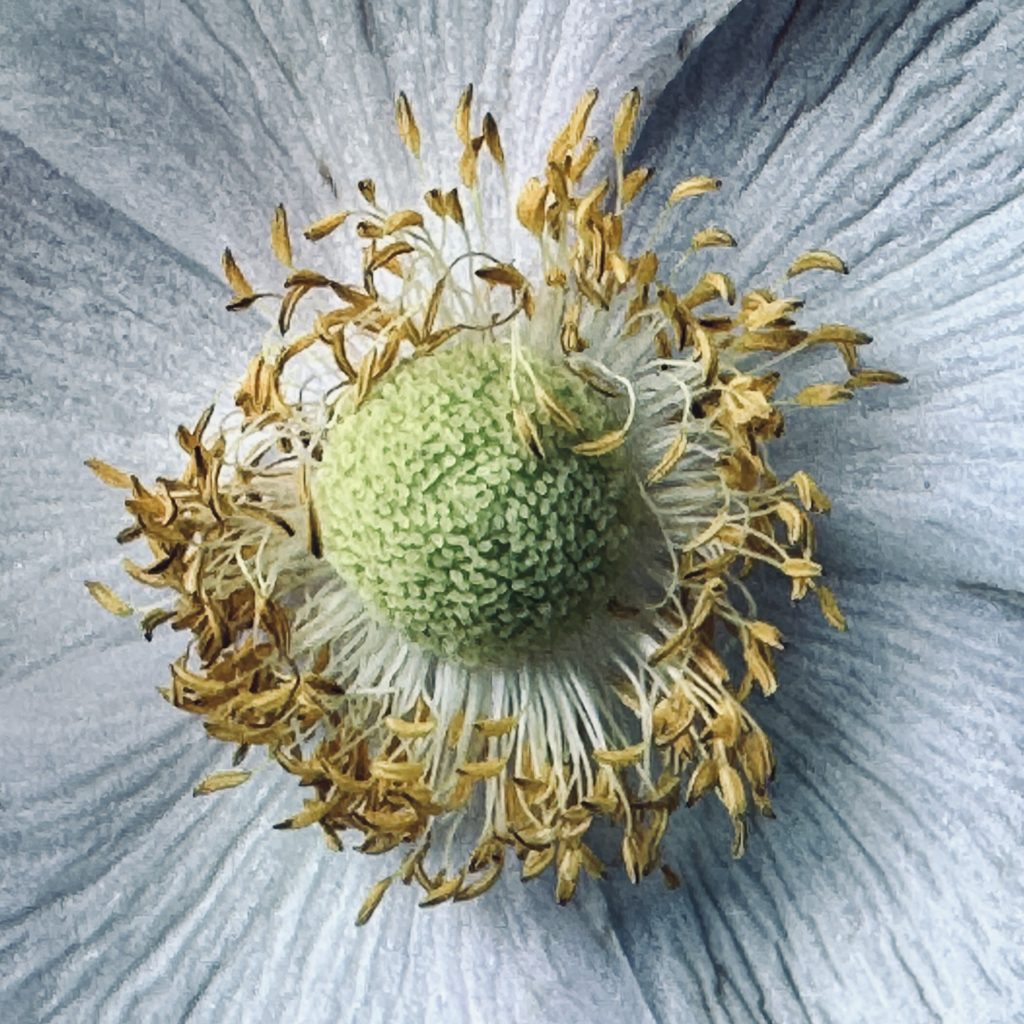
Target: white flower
(889,889)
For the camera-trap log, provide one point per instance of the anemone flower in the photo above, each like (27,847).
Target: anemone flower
(577,326)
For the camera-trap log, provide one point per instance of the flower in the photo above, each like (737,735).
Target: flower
(880,819)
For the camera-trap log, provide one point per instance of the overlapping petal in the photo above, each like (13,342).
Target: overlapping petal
(887,889)
(196,119)
(891,135)
(124,900)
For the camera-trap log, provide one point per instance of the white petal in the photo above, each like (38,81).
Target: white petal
(891,136)
(888,888)
(125,899)
(196,120)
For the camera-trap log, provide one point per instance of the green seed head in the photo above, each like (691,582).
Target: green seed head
(434,509)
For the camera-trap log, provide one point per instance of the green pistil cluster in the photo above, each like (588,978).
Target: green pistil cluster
(434,509)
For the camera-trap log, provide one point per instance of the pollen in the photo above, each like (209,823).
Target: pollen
(434,508)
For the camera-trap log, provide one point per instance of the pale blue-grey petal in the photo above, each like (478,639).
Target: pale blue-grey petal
(196,119)
(110,339)
(891,134)
(888,888)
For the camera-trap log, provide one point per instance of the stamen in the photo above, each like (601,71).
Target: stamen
(469,557)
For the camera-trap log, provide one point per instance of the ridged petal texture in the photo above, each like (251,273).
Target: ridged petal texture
(138,139)
(890,133)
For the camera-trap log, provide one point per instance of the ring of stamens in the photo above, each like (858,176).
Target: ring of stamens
(422,745)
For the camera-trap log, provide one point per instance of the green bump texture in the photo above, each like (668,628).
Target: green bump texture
(431,506)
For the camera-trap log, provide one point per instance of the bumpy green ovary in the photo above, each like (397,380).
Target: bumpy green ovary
(432,507)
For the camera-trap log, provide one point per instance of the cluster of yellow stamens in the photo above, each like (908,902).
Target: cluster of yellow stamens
(461,765)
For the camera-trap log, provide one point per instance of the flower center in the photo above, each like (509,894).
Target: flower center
(434,507)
